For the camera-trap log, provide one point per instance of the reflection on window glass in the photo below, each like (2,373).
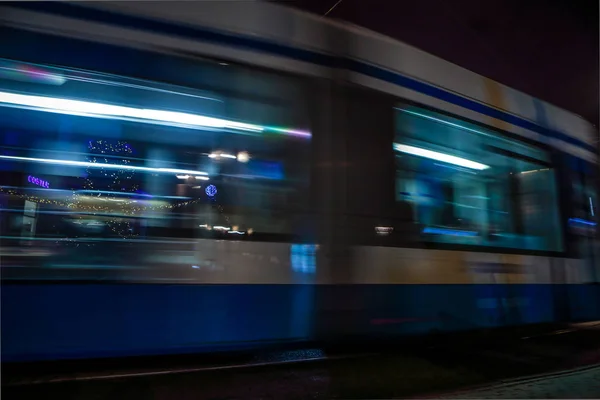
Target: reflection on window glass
(91,156)
(582,220)
(468,185)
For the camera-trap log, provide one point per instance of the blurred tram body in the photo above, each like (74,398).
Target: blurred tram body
(196,177)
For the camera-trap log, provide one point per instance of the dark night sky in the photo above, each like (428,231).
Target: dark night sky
(546,48)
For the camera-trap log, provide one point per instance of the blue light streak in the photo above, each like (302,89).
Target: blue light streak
(451,232)
(581,221)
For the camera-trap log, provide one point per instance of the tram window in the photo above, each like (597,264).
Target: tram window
(470,186)
(103,156)
(583,194)
(582,219)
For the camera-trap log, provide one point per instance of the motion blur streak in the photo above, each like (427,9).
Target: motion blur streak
(103,166)
(75,107)
(434,155)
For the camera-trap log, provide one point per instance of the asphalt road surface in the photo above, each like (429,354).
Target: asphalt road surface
(581,384)
(434,370)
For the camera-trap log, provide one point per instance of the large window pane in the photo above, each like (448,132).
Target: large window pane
(468,185)
(88,156)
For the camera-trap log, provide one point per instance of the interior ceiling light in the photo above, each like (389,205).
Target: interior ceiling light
(218,155)
(434,155)
(144,115)
(100,110)
(243,156)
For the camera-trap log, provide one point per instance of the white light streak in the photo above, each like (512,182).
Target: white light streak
(100,110)
(221,155)
(434,155)
(86,164)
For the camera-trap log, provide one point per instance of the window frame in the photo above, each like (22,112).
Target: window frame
(512,137)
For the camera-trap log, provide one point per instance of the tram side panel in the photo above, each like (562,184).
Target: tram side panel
(175,265)
(407,267)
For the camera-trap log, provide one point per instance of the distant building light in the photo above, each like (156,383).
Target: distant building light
(383,230)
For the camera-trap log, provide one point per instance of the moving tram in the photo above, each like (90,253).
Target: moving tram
(189,179)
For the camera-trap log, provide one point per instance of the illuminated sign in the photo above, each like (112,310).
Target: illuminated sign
(38,181)
(211,190)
